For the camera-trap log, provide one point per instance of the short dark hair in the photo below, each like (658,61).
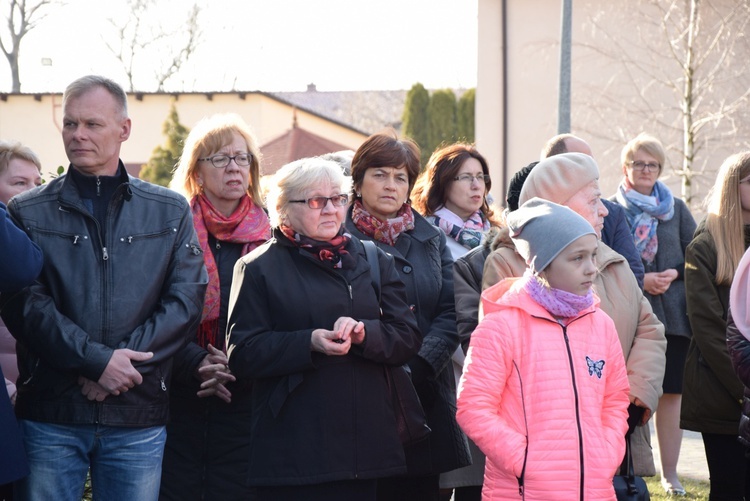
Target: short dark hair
(515,185)
(385,149)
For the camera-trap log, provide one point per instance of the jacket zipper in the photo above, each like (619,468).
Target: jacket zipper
(578,412)
(522,478)
(104,280)
(575,391)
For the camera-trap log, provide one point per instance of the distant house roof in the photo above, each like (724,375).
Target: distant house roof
(367,111)
(292,145)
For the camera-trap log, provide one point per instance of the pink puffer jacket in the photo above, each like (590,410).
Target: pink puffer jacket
(546,404)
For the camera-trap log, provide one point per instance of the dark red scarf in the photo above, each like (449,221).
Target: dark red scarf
(332,250)
(383,231)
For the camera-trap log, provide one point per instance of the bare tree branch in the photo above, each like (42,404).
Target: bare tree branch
(143,41)
(21,17)
(691,50)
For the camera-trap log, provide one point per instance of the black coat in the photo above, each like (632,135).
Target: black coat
(425,265)
(318,418)
(208,440)
(739,351)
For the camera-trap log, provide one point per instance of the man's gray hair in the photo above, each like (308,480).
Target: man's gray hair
(84,84)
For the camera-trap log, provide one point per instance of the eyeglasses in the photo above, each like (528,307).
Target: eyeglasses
(222,161)
(468,178)
(320,202)
(641,166)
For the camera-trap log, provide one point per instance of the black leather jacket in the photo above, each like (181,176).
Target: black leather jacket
(138,284)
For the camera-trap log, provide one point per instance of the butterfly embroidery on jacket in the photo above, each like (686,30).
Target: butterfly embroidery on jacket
(595,367)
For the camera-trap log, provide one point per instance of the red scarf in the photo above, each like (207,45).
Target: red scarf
(248,225)
(382,231)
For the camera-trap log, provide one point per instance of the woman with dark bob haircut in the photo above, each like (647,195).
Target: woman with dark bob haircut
(384,170)
(452,194)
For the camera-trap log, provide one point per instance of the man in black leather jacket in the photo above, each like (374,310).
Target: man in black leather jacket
(120,292)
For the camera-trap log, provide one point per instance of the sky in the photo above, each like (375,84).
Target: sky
(266,45)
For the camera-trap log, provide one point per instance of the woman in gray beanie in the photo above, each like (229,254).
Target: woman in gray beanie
(572,179)
(545,370)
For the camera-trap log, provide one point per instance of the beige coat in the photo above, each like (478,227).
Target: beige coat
(640,332)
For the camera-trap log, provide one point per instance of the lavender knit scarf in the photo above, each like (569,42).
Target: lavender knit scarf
(558,302)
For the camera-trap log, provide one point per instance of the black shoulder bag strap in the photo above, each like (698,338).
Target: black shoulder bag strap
(411,422)
(371,251)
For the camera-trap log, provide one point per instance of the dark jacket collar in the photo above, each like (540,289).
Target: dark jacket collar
(70,193)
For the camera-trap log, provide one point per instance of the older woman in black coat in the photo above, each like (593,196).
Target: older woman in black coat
(384,169)
(306,326)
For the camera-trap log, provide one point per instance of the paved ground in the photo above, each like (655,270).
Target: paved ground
(692,463)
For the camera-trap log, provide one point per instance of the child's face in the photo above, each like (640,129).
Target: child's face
(574,269)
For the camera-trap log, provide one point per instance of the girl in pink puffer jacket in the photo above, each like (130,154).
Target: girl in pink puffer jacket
(544,391)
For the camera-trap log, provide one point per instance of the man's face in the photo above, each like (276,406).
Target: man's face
(588,204)
(93,130)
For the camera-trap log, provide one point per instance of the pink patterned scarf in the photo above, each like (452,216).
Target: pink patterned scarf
(468,233)
(383,231)
(248,225)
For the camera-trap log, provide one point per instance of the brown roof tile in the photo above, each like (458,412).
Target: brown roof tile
(294,144)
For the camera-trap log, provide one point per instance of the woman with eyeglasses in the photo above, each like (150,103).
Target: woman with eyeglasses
(384,169)
(451,193)
(661,227)
(306,326)
(208,443)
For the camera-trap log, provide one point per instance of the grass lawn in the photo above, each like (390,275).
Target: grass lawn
(696,489)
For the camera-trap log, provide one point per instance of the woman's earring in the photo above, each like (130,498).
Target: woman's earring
(359,195)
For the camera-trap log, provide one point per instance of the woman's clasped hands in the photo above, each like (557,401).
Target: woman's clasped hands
(214,373)
(346,331)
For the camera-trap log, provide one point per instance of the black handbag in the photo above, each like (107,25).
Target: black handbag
(411,422)
(630,487)
(410,417)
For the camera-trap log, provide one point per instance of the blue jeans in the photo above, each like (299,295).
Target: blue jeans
(125,462)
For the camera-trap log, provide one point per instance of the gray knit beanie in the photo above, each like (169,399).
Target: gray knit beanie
(559,177)
(541,230)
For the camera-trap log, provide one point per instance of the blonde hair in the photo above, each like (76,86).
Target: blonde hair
(208,136)
(647,143)
(724,219)
(293,179)
(14,149)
